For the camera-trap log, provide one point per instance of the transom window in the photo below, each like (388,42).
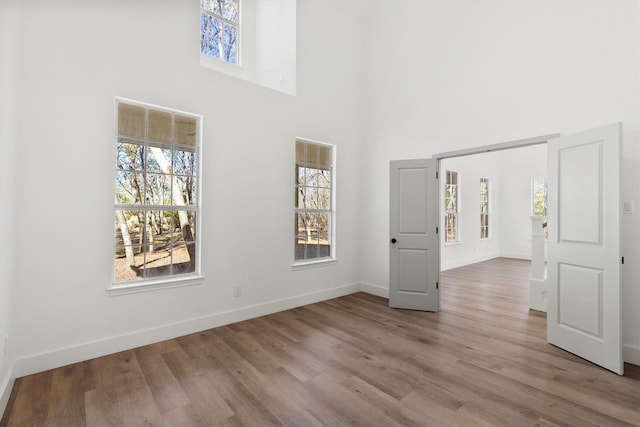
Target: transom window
(314,201)
(484,208)
(156,192)
(451,207)
(219,29)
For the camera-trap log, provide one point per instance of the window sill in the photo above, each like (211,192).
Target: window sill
(452,243)
(153,285)
(220,65)
(303,265)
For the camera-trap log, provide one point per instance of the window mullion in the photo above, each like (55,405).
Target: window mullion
(220,17)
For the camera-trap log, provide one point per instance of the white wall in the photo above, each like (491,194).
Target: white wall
(517,169)
(470,247)
(463,73)
(77,57)
(9,69)
(276,44)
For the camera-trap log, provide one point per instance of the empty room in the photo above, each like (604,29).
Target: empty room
(235,212)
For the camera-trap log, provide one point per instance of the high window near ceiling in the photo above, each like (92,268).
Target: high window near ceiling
(253,40)
(219,29)
(451,207)
(156,209)
(484,208)
(314,207)
(539,201)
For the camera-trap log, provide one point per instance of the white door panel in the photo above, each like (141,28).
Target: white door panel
(414,262)
(584,245)
(412,199)
(580,193)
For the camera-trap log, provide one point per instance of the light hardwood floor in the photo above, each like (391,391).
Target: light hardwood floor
(483,360)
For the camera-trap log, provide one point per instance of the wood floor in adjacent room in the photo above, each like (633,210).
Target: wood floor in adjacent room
(483,360)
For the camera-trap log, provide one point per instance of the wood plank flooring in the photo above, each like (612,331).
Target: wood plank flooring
(482,361)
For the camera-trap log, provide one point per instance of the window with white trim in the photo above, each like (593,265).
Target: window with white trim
(219,29)
(539,201)
(156,193)
(451,207)
(314,214)
(484,208)
(539,197)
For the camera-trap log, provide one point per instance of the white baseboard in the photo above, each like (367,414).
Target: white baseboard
(78,353)
(632,354)
(466,261)
(538,294)
(90,350)
(376,290)
(526,257)
(5,390)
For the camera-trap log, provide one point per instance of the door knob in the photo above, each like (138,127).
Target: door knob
(393,240)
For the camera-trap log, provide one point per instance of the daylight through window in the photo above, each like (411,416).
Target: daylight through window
(539,197)
(156,192)
(313,201)
(539,201)
(451,207)
(484,208)
(219,29)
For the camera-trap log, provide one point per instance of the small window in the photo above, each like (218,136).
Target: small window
(451,207)
(219,29)
(156,193)
(539,197)
(314,201)
(484,208)
(539,201)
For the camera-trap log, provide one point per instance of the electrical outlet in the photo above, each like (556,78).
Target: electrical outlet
(237,291)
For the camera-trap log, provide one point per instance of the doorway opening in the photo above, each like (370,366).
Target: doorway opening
(583,314)
(486,211)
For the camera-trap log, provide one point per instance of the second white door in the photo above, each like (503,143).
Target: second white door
(584,259)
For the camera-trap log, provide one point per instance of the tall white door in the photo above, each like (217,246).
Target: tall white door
(414,245)
(584,245)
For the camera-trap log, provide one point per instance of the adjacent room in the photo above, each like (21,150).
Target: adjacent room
(196,200)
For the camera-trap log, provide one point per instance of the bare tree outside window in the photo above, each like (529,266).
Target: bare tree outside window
(219,29)
(156,192)
(313,201)
(451,207)
(484,208)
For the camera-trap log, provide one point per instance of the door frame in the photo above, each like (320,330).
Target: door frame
(518,143)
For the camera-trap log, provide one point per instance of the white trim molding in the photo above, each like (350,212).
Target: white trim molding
(631,354)
(377,290)
(90,350)
(5,389)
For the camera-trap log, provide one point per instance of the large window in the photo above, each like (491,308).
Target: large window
(219,32)
(314,201)
(156,193)
(451,207)
(484,208)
